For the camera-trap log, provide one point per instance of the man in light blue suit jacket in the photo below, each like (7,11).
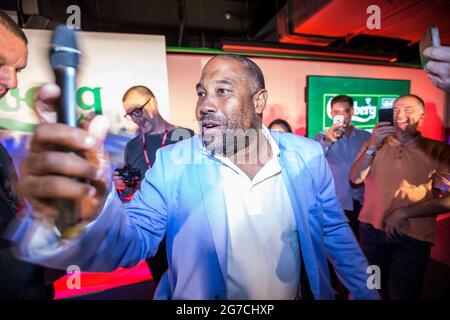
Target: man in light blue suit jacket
(183,198)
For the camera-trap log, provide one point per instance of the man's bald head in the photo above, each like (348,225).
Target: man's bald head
(138,90)
(412,96)
(11,26)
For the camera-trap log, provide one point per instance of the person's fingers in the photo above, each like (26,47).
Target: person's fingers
(441,53)
(334,127)
(85,119)
(388,129)
(44,102)
(436,80)
(384,132)
(439,82)
(438,68)
(52,186)
(45,207)
(61,135)
(63,163)
(48,93)
(387,133)
(382,124)
(46,175)
(98,127)
(380,128)
(97,156)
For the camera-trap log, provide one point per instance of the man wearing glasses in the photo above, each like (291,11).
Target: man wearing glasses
(141,107)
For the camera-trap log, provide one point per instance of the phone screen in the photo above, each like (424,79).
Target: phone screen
(386,115)
(339,118)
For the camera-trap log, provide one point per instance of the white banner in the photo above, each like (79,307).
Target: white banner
(110,64)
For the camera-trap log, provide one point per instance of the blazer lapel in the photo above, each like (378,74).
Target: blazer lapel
(215,208)
(293,168)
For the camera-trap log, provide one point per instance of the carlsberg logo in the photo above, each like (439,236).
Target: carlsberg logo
(365,107)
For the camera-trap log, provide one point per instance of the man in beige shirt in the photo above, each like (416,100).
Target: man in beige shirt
(407,184)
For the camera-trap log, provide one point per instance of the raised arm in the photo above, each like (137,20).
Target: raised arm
(363,162)
(108,237)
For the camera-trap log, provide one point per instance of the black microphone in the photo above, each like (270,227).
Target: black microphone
(64,59)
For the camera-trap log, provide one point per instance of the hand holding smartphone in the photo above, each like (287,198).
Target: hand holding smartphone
(336,130)
(430,39)
(339,118)
(386,115)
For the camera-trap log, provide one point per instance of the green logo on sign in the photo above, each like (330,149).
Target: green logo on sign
(365,108)
(87,99)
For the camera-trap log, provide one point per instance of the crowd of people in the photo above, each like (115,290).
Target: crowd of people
(253,213)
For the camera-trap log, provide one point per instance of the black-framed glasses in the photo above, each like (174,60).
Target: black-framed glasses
(137,113)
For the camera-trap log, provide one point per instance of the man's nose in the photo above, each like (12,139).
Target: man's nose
(9,78)
(207,106)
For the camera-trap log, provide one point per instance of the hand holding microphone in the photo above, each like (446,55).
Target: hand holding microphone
(66,175)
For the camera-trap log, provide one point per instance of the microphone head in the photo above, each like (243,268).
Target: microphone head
(64,51)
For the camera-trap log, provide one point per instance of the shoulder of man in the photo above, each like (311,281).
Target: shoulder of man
(132,142)
(181,131)
(436,146)
(181,152)
(436,143)
(307,148)
(362,131)
(320,135)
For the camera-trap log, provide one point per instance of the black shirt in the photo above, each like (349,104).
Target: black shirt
(18,279)
(134,150)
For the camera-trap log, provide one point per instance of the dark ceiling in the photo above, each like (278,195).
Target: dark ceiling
(188,23)
(329,24)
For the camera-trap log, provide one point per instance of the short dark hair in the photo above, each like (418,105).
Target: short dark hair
(282,123)
(138,89)
(251,67)
(421,102)
(11,26)
(342,98)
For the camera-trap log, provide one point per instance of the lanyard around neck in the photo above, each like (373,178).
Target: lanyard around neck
(144,146)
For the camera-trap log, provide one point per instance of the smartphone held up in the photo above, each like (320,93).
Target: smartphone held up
(386,115)
(430,39)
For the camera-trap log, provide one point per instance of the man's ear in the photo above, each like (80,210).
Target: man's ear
(154,103)
(154,106)
(422,117)
(260,100)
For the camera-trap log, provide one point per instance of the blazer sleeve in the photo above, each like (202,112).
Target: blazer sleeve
(121,236)
(341,245)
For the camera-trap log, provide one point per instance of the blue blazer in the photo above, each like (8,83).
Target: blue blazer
(181,197)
